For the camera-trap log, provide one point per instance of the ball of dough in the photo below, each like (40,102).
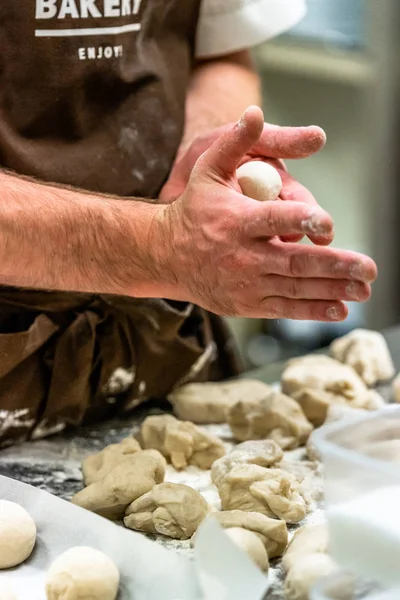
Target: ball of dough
(6,592)
(250,543)
(259,180)
(82,572)
(17,534)
(305,573)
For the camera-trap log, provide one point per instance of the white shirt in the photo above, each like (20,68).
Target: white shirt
(231,25)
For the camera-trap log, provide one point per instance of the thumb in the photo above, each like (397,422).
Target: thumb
(224,155)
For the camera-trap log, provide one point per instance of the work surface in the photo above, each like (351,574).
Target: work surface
(53,464)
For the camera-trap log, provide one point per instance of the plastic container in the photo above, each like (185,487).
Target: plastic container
(361,460)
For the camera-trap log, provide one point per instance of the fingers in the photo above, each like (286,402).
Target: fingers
(224,155)
(268,219)
(289,142)
(318,288)
(296,260)
(303,310)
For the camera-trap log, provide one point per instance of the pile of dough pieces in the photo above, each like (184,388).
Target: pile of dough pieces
(261,489)
(79,573)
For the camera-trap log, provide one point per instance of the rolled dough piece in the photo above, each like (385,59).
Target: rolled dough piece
(309,539)
(95,467)
(250,543)
(80,573)
(6,591)
(17,534)
(305,573)
(259,180)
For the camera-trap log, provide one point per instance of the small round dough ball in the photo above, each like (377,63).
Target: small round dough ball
(6,592)
(17,534)
(250,543)
(305,573)
(82,573)
(259,180)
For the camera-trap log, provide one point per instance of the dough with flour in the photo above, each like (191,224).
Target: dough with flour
(250,543)
(309,539)
(276,417)
(171,509)
(80,573)
(259,180)
(17,534)
(132,478)
(264,453)
(95,467)
(272,492)
(305,573)
(181,442)
(272,532)
(367,353)
(210,402)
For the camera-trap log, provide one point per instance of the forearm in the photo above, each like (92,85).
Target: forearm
(61,239)
(220,90)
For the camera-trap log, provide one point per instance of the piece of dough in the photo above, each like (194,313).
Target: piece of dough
(181,442)
(95,467)
(271,492)
(132,478)
(309,539)
(272,532)
(264,453)
(317,381)
(396,388)
(305,573)
(259,180)
(276,417)
(6,591)
(17,534)
(210,402)
(171,509)
(309,474)
(82,573)
(367,353)
(250,543)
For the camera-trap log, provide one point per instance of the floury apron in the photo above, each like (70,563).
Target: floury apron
(92,95)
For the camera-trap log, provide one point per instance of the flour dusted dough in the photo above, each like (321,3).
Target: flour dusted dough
(82,573)
(276,417)
(271,492)
(250,543)
(17,534)
(264,453)
(181,442)
(6,591)
(95,467)
(309,539)
(367,352)
(305,573)
(171,509)
(210,402)
(259,180)
(317,381)
(272,532)
(127,481)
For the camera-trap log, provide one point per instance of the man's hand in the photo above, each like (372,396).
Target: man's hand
(275,143)
(224,251)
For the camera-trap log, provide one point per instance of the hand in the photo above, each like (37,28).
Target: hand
(220,248)
(275,143)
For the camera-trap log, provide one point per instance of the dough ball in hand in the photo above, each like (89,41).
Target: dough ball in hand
(6,591)
(82,573)
(17,534)
(259,180)
(250,543)
(305,573)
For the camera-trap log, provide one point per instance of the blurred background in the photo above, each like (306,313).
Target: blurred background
(340,69)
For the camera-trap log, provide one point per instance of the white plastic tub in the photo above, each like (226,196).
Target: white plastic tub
(361,461)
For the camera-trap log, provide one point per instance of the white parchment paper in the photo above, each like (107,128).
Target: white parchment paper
(148,571)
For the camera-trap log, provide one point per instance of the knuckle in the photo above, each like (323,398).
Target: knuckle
(271,307)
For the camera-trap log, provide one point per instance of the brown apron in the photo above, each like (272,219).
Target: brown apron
(92,94)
